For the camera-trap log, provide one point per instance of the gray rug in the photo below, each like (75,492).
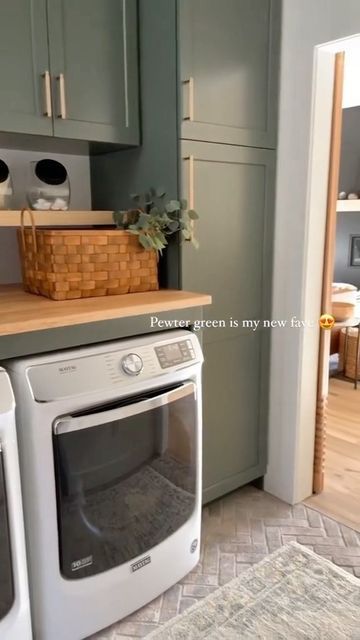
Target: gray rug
(293,594)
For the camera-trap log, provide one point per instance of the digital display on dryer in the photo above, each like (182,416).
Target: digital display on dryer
(175,353)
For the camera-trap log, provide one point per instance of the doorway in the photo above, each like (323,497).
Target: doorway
(336,479)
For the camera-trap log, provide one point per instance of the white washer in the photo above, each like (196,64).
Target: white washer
(14,595)
(110,452)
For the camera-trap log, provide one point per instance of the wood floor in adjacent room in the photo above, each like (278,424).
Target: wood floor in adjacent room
(341,497)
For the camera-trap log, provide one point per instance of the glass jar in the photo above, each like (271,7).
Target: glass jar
(49,188)
(6,189)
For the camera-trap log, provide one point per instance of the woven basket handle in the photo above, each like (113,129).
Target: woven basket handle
(33,228)
(34,288)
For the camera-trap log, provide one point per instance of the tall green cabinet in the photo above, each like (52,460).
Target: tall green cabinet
(229,62)
(224,161)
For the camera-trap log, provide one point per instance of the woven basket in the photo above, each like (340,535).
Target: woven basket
(63,264)
(347,362)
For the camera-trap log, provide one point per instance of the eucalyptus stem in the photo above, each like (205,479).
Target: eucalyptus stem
(154,219)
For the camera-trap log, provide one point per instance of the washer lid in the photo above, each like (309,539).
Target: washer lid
(7,402)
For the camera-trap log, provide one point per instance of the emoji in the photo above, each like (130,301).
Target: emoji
(326,321)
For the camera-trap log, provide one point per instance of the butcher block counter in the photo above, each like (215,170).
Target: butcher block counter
(34,324)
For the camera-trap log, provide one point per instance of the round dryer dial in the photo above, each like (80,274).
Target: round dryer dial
(132,364)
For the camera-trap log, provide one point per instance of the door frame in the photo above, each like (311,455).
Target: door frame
(292,446)
(328,273)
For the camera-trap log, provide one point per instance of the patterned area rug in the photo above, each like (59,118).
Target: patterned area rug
(293,594)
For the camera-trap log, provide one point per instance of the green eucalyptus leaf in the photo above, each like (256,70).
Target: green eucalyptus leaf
(165,219)
(183,204)
(154,212)
(161,237)
(173,226)
(160,192)
(193,215)
(145,241)
(158,243)
(172,206)
(143,221)
(174,215)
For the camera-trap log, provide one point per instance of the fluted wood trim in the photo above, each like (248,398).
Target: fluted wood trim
(320,444)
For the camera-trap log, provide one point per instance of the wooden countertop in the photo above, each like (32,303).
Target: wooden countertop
(22,312)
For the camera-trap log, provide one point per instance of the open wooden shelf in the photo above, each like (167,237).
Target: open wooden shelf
(58,218)
(351,206)
(21,312)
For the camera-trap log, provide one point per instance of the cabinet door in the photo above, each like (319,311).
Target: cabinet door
(232,190)
(93,57)
(24,59)
(229,69)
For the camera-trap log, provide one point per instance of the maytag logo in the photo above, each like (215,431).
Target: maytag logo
(69,368)
(140,564)
(81,564)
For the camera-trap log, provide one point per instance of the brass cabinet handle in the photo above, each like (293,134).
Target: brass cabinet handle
(191,191)
(62,98)
(47,94)
(190,84)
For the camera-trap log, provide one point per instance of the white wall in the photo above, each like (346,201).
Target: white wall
(78,168)
(306,24)
(351,95)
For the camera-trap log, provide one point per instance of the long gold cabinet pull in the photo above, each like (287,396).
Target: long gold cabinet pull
(190,85)
(191,190)
(62,96)
(47,94)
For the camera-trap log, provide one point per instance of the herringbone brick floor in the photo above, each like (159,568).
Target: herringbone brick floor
(238,531)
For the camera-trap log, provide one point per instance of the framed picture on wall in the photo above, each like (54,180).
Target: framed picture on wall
(355,251)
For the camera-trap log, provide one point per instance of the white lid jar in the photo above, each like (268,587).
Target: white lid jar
(49,187)
(6,188)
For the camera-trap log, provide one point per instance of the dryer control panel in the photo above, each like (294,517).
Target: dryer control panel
(123,363)
(174,353)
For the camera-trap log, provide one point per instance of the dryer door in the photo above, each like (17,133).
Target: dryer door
(6,577)
(126,477)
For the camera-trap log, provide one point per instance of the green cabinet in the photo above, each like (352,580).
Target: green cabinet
(229,59)
(24,59)
(69,69)
(232,189)
(230,49)
(93,60)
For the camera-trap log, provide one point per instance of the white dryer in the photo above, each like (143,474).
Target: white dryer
(110,452)
(14,595)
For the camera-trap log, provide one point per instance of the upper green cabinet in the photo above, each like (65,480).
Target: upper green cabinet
(69,69)
(229,58)
(24,61)
(93,59)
